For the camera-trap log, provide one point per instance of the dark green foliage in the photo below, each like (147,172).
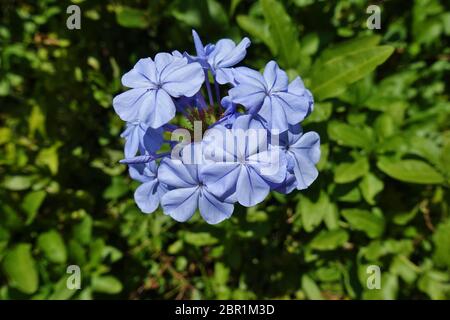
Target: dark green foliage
(382,196)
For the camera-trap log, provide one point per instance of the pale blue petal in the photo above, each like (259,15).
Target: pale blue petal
(274,114)
(137,173)
(128,104)
(175,174)
(251,189)
(304,170)
(185,80)
(244,75)
(276,79)
(250,96)
(159,110)
(132,143)
(225,75)
(227,54)
(163,60)
(288,185)
(181,204)
(143,75)
(220,178)
(270,164)
(212,209)
(308,144)
(147,196)
(237,54)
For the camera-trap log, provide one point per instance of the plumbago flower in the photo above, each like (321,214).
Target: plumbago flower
(246,126)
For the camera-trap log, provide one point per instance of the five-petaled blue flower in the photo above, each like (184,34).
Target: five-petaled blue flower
(154,84)
(244,164)
(253,143)
(189,191)
(271,96)
(149,193)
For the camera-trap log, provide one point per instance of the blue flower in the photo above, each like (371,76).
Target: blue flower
(270,96)
(138,136)
(245,152)
(202,51)
(302,152)
(154,84)
(230,114)
(149,193)
(243,164)
(189,192)
(219,58)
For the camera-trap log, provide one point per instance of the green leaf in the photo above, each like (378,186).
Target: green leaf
(351,136)
(322,112)
(200,239)
(257,29)
(61,291)
(371,224)
(441,240)
(435,284)
(370,186)
(414,171)
(388,290)
(106,284)
(49,157)
(117,188)
(31,204)
(217,12)
(348,172)
(329,240)
(83,230)
(132,18)
(313,212)
(311,289)
(404,268)
(20,270)
(52,244)
(345,64)
(17,183)
(283,32)
(36,121)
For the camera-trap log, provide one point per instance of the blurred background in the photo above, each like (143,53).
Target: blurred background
(381,199)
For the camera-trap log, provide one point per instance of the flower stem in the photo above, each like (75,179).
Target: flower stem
(208,88)
(216,85)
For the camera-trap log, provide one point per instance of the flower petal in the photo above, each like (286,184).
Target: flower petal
(185,80)
(308,144)
(274,114)
(176,174)
(143,75)
(212,209)
(128,104)
(132,139)
(304,170)
(159,110)
(249,95)
(220,178)
(270,164)
(297,107)
(276,79)
(147,196)
(251,189)
(181,204)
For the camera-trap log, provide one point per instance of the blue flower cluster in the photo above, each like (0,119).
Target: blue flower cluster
(253,143)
